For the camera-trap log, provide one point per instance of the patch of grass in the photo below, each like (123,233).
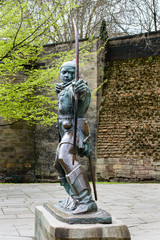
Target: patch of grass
(112,182)
(143,182)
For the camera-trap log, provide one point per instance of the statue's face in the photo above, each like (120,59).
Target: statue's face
(67,74)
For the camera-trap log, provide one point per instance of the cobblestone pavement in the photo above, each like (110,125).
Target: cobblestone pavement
(136,205)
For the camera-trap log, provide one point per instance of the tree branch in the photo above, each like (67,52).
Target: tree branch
(20,43)
(10,124)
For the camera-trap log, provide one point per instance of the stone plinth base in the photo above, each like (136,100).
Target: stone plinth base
(100,216)
(47,227)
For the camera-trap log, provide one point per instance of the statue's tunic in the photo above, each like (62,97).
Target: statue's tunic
(66,118)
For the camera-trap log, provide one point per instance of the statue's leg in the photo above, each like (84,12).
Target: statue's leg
(68,203)
(61,176)
(77,180)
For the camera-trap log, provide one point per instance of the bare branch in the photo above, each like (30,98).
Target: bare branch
(10,124)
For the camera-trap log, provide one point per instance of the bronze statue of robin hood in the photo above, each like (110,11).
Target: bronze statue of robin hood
(73,102)
(73,177)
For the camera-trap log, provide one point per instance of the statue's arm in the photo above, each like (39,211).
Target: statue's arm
(82,89)
(58,88)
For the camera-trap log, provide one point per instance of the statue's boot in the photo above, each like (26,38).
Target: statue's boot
(70,202)
(82,191)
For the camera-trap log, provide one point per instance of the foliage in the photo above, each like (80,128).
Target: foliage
(122,17)
(100,86)
(24,29)
(134,16)
(27,25)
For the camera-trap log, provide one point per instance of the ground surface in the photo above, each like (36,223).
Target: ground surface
(137,205)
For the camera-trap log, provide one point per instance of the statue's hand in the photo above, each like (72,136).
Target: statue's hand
(80,86)
(58,88)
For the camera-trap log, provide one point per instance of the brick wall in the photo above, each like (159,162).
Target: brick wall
(128,132)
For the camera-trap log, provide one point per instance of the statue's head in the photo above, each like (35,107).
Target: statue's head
(67,72)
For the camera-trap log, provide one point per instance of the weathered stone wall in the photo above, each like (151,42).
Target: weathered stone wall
(17,157)
(17,160)
(128,109)
(134,46)
(128,132)
(17,152)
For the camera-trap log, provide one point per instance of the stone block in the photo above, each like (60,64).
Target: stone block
(100,161)
(47,227)
(157,168)
(117,166)
(158,177)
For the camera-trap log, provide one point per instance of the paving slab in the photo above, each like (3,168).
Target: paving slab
(136,205)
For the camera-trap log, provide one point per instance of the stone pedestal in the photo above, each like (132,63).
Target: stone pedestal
(61,214)
(47,227)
